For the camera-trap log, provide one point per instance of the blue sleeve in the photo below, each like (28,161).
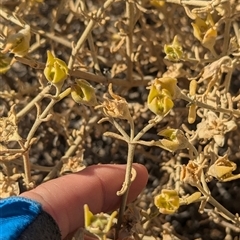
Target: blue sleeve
(22,218)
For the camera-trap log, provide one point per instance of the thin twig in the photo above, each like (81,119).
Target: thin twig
(27,168)
(129,39)
(148,127)
(91,46)
(119,128)
(195,3)
(216,204)
(30,105)
(86,32)
(226,30)
(210,107)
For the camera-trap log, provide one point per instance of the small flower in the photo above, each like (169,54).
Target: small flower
(173,51)
(56,70)
(214,127)
(167,202)
(160,96)
(84,93)
(205,31)
(99,224)
(222,169)
(116,107)
(18,43)
(173,140)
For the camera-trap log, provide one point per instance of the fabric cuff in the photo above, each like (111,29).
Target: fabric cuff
(23,218)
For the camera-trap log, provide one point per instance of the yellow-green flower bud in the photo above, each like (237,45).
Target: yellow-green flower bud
(205,31)
(209,38)
(18,43)
(84,93)
(173,140)
(173,51)
(192,198)
(56,70)
(167,202)
(198,27)
(192,106)
(193,87)
(192,113)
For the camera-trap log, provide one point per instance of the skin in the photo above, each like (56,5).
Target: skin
(63,198)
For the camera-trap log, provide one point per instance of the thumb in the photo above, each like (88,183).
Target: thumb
(63,198)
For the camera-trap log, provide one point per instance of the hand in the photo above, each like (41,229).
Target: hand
(63,198)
